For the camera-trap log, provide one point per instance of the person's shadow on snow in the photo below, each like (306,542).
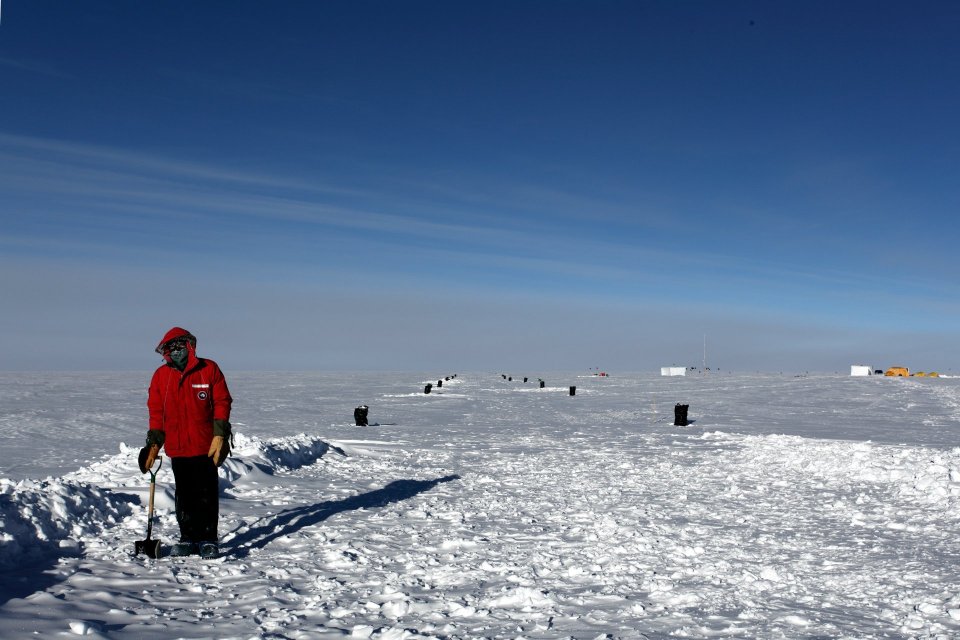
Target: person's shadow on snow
(29,578)
(292,520)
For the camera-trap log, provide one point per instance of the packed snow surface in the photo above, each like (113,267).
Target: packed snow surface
(791,507)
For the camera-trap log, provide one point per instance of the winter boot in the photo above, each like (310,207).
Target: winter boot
(184,549)
(209,550)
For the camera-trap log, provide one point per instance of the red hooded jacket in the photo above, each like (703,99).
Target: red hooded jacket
(184,404)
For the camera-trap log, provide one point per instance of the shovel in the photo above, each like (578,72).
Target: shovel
(149,546)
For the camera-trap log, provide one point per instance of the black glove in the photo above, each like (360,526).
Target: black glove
(148,455)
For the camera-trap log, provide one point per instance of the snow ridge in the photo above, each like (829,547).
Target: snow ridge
(45,519)
(251,456)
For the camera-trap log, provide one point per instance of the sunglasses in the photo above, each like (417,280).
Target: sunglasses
(173,345)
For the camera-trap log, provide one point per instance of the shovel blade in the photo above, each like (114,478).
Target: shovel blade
(151,548)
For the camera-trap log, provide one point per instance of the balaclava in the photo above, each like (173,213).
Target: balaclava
(179,357)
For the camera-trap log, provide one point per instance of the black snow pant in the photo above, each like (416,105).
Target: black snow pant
(197,497)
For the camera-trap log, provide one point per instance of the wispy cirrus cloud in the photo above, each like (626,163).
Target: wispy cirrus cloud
(106,179)
(34,67)
(157,166)
(93,198)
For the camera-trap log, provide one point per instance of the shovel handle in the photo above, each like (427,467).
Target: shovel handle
(153,487)
(153,474)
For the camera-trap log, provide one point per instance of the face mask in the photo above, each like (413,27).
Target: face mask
(179,358)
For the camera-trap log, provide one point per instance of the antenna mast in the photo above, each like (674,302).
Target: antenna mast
(704,354)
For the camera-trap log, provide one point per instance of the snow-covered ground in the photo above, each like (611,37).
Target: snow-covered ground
(792,507)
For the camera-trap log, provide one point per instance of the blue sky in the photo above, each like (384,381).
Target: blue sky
(516,186)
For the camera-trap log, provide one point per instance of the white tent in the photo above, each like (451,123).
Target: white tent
(861,370)
(673,371)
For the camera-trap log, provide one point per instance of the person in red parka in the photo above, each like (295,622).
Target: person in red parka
(189,405)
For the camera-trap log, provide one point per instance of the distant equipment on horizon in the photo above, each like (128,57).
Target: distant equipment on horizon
(673,371)
(892,372)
